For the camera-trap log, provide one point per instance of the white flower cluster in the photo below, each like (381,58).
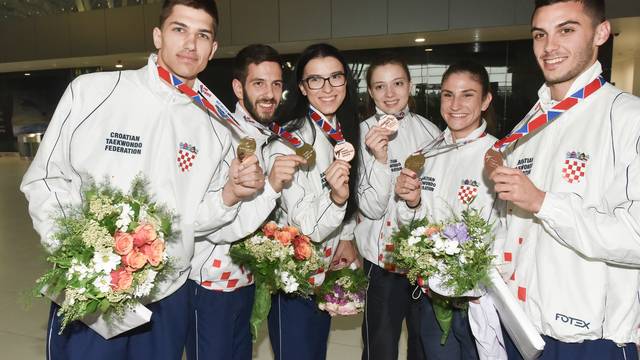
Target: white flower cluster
(124,219)
(103,283)
(101,206)
(448,246)
(72,295)
(145,286)
(78,270)
(51,243)
(105,261)
(258,239)
(144,216)
(289,282)
(345,282)
(96,236)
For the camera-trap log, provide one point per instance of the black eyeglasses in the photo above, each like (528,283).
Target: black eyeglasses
(316,82)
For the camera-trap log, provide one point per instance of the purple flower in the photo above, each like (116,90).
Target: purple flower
(457,232)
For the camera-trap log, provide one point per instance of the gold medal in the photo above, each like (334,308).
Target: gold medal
(246,148)
(415,163)
(344,151)
(492,159)
(307,152)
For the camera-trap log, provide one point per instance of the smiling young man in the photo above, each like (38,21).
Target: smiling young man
(222,291)
(164,126)
(572,249)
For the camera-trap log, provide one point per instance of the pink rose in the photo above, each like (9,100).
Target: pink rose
(144,234)
(124,243)
(134,260)
(292,230)
(121,279)
(301,248)
(269,229)
(284,237)
(154,252)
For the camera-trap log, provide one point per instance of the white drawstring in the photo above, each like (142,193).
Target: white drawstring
(413,294)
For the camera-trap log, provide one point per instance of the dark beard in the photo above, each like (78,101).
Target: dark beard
(248,105)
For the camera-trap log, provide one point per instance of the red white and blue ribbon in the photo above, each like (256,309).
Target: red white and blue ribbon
(206,99)
(291,139)
(552,114)
(203,97)
(325,125)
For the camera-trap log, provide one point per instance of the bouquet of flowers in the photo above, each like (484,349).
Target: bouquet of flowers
(454,256)
(281,259)
(343,291)
(107,253)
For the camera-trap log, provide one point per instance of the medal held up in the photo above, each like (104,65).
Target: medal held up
(343,150)
(415,162)
(301,148)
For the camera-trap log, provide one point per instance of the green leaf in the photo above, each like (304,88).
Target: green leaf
(261,307)
(444,315)
(92,307)
(104,305)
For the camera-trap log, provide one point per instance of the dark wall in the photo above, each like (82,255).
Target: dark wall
(40,92)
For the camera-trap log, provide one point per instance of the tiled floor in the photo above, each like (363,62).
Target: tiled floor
(23,320)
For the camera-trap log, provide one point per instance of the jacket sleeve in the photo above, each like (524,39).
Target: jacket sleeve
(609,231)
(314,213)
(375,183)
(348,229)
(212,213)
(251,215)
(406,215)
(49,184)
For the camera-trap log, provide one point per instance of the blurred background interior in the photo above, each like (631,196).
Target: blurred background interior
(46,44)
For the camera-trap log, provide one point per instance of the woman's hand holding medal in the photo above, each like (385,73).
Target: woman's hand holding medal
(408,187)
(377,141)
(337,176)
(283,169)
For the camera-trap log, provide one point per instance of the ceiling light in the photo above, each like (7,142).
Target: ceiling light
(27,74)
(420,40)
(119,65)
(428,49)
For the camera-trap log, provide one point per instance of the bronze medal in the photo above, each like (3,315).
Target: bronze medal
(246,148)
(389,122)
(492,159)
(344,151)
(307,152)
(415,163)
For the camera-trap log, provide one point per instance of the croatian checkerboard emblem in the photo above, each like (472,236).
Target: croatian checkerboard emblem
(575,166)
(186,156)
(467,191)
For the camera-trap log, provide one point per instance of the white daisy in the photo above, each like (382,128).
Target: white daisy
(105,261)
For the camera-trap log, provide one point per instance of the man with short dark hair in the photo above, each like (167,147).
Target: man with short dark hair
(222,291)
(572,248)
(162,125)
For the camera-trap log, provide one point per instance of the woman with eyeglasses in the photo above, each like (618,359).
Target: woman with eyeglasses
(455,171)
(390,135)
(321,201)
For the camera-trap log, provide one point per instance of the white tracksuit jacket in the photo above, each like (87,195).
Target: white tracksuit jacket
(575,263)
(116,125)
(306,204)
(211,265)
(455,181)
(377,202)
